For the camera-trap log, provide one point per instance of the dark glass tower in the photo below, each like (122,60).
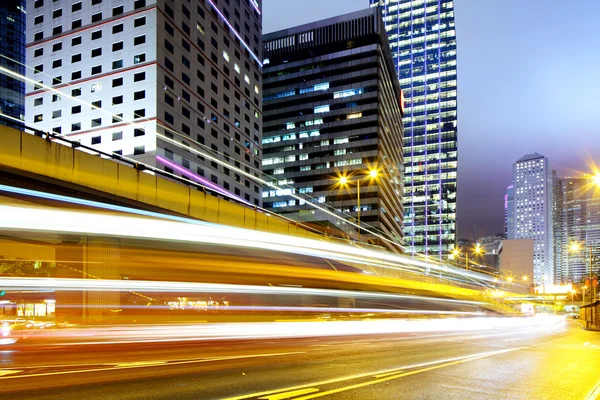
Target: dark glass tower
(12,57)
(423,43)
(331,112)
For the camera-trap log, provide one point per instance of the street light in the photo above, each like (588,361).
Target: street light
(344,181)
(525,278)
(509,279)
(596,179)
(575,247)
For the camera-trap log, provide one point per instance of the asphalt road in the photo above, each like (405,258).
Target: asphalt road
(561,362)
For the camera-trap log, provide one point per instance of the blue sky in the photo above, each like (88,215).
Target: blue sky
(528,81)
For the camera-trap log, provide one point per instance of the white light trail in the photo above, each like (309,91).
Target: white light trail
(52,220)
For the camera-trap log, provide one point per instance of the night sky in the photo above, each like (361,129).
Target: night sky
(528,81)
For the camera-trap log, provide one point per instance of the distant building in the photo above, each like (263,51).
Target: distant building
(509,218)
(534,212)
(422,37)
(517,257)
(156,79)
(580,223)
(332,108)
(12,51)
(492,247)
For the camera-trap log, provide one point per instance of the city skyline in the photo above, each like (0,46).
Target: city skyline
(536,119)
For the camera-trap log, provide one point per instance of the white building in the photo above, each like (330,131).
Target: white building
(150,79)
(533,212)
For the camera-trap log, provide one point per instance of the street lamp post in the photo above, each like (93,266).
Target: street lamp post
(344,181)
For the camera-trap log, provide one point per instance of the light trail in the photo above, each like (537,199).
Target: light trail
(270,330)
(51,220)
(117,285)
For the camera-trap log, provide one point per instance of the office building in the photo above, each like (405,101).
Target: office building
(516,258)
(580,224)
(331,110)
(12,57)
(423,42)
(491,248)
(534,212)
(152,80)
(509,219)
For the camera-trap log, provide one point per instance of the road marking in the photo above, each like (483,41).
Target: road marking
(388,374)
(151,364)
(594,394)
(389,378)
(140,364)
(287,395)
(4,372)
(359,376)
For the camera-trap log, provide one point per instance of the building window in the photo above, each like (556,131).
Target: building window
(117,11)
(76,92)
(139,4)
(139,58)
(57,30)
(140,76)
(117,82)
(76,24)
(57,13)
(97,70)
(96,35)
(96,122)
(139,40)
(117,28)
(96,87)
(38,118)
(141,113)
(96,17)
(38,36)
(117,100)
(117,46)
(76,126)
(76,41)
(96,139)
(75,109)
(76,7)
(139,132)
(117,136)
(97,52)
(75,75)
(139,22)
(139,150)
(56,63)
(75,58)
(117,64)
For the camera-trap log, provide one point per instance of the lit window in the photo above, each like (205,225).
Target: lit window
(225,55)
(322,109)
(354,115)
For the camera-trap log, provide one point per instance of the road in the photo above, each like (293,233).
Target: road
(558,362)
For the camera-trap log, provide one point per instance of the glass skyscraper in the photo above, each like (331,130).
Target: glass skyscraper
(12,49)
(423,43)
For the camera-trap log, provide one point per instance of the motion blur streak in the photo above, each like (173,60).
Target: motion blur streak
(25,218)
(270,330)
(71,284)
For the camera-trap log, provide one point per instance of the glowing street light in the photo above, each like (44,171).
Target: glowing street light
(509,279)
(344,182)
(525,278)
(596,179)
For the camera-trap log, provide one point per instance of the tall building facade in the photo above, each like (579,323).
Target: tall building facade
(509,216)
(331,110)
(580,223)
(154,78)
(534,212)
(423,42)
(12,57)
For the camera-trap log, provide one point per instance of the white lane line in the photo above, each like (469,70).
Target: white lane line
(149,364)
(371,374)
(594,394)
(287,395)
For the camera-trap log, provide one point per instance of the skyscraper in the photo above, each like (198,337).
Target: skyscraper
(332,110)
(509,210)
(580,223)
(12,57)
(156,80)
(423,43)
(534,212)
